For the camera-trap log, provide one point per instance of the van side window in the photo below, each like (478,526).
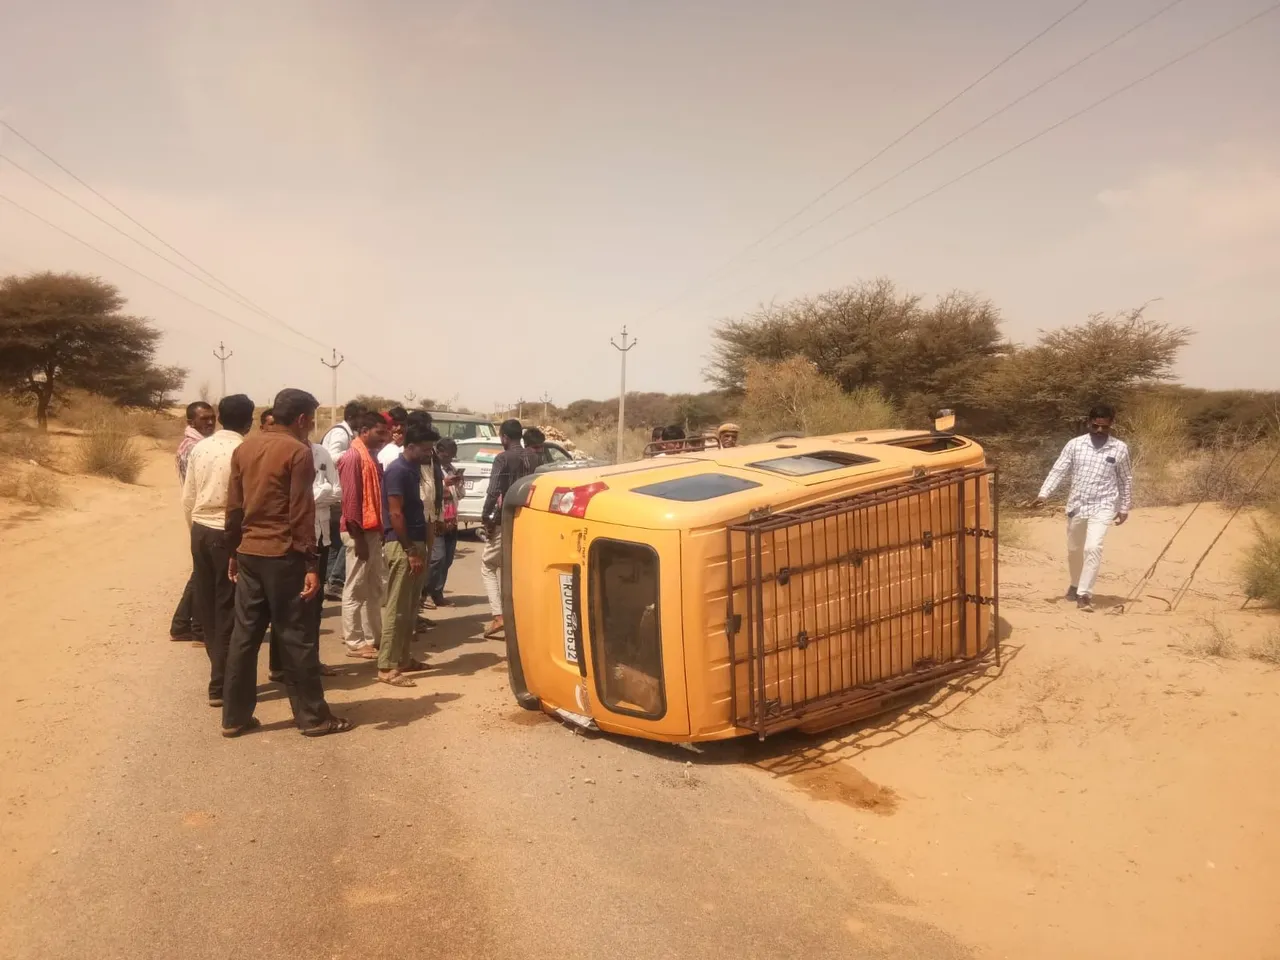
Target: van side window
(626,640)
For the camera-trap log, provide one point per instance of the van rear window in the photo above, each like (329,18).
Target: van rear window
(703,486)
(805,464)
(626,638)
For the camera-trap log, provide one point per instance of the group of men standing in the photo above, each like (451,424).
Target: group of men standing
(251,503)
(267,514)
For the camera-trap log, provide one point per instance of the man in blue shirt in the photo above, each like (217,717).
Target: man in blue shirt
(404,550)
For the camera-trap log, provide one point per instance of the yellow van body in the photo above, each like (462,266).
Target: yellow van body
(795,584)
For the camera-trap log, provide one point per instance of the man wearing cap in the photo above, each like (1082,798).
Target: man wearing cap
(728,434)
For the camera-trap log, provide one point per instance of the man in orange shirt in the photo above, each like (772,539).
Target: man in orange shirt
(270,526)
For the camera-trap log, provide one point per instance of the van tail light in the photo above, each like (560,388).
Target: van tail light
(572,501)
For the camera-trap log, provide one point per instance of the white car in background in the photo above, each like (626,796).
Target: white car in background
(475,460)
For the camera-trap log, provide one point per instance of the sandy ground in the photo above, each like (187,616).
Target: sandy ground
(1109,791)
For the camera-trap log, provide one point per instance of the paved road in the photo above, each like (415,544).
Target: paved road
(449,824)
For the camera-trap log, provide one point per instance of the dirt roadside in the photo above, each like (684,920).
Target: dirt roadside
(1111,792)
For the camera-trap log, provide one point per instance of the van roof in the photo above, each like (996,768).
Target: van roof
(710,488)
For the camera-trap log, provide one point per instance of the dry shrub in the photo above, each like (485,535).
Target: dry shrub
(107,449)
(12,413)
(157,426)
(601,443)
(34,487)
(1260,568)
(1215,642)
(1156,431)
(1023,464)
(27,446)
(1234,473)
(793,395)
(1269,650)
(81,409)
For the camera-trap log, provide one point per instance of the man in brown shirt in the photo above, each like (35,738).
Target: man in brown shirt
(270,530)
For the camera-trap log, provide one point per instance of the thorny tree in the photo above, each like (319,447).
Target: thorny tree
(59,331)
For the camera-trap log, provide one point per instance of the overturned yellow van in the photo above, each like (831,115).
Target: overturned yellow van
(796,584)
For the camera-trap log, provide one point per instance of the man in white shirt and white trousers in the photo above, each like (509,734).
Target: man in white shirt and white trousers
(337,441)
(1101,494)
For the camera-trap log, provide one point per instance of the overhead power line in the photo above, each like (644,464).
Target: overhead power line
(147,277)
(128,236)
(1198,48)
(697,284)
(981,123)
(227,291)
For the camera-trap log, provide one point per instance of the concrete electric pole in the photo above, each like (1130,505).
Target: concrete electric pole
(333,368)
(624,348)
(223,355)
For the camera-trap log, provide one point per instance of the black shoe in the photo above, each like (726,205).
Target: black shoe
(1072,594)
(1085,604)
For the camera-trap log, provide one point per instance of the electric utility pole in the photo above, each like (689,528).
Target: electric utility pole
(333,368)
(546,400)
(624,348)
(223,355)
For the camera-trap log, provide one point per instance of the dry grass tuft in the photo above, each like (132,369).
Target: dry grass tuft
(27,446)
(33,487)
(1269,650)
(107,449)
(1215,643)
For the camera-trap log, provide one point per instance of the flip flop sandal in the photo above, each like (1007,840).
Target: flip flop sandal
(397,681)
(492,632)
(332,725)
(253,724)
(414,666)
(361,655)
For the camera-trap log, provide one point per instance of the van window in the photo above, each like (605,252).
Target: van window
(926,443)
(702,486)
(626,641)
(802,465)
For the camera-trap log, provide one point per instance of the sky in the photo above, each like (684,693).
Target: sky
(468,198)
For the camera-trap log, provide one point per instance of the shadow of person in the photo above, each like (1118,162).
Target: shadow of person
(381,713)
(389,713)
(451,632)
(466,664)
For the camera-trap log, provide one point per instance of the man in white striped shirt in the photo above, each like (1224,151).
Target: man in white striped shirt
(1101,494)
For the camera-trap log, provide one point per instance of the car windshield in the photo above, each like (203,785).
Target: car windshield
(478,452)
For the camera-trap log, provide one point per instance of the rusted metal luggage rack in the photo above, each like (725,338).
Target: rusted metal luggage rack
(851,604)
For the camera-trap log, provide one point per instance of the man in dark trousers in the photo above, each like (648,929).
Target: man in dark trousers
(271,517)
(200,424)
(509,466)
(204,502)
